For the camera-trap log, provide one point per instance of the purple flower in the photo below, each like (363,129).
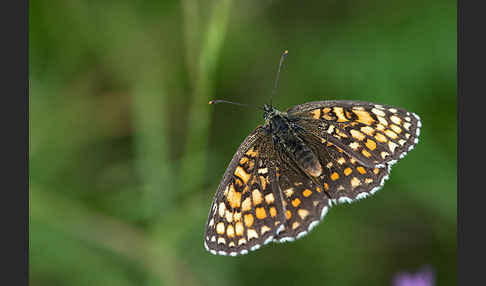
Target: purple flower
(424,277)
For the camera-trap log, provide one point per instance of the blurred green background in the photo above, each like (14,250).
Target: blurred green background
(126,154)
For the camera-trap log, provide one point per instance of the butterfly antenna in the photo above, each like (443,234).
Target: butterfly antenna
(234,103)
(282,58)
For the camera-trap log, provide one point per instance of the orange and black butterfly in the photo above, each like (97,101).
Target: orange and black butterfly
(290,171)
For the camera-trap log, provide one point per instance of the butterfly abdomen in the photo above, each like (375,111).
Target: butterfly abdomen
(283,134)
(307,160)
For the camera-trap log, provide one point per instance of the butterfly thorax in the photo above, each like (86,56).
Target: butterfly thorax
(285,137)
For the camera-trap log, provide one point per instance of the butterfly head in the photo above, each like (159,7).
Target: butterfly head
(269,111)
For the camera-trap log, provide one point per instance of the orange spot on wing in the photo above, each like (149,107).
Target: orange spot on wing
(370,144)
(237,216)
(395,119)
(246,205)
(391,134)
(307,192)
(230,231)
(326,114)
(251,152)
(263,182)
(316,114)
(248,218)
(288,214)
(239,228)
(220,228)
(340,114)
(334,176)
(273,212)
(396,128)
(366,153)
(364,117)
(240,173)
(368,130)
(356,134)
(295,225)
(261,213)
(251,164)
(380,137)
(347,171)
(296,202)
(229,216)
(257,197)
(234,197)
(243,160)
(239,182)
(361,170)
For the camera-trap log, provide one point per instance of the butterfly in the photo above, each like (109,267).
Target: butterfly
(290,171)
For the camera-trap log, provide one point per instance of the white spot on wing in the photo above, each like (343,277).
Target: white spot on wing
(268,240)
(324,212)
(361,196)
(313,224)
(403,155)
(301,234)
(345,200)
(376,189)
(286,239)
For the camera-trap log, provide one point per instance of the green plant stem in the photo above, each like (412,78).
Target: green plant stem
(195,154)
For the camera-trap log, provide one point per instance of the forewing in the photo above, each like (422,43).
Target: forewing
(375,135)
(246,211)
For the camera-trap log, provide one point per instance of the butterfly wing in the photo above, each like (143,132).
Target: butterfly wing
(375,135)
(246,212)
(304,201)
(344,178)
(356,143)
